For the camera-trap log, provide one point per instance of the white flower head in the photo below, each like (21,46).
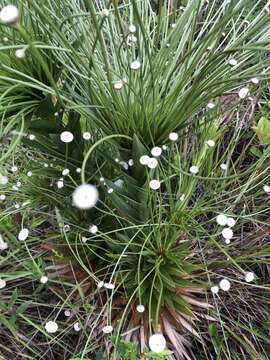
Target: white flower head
(118,85)
(29,173)
(173,136)
(100,284)
(2,283)
(107,329)
(210,143)
(51,327)
(86,135)
(44,279)
(20,53)
(225,285)
(85,196)
(110,191)
(233,62)
(67,313)
(65,172)
(221,219)
(156,151)
(78,170)
(102,179)
(93,229)
(140,308)
(144,159)
(60,184)
(3,180)
(224,167)
(211,105)
(109,286)
(214,289)
(66,136)
(9,15)
(77,326)
(242,93)
(154,184)
(255,81)
(2,197)
(130,162)
(23,234)
(249,277)
(152,163)
(157,343)
(132,28)
(227,233)
(266,189)
(14,169)
(135,65)
(231,222)
(32,137)
(3,244)
(194,169)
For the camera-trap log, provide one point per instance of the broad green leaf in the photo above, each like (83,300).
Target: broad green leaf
(263,130)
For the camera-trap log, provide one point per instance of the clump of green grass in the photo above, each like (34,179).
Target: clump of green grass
(156,107)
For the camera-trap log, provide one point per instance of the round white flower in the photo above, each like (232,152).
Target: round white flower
(266,188)
(78,170)
(214,289)
(60,184)
(233,62)
(46,165)
(132,39)
(65,172)
(227,241)
(100,284)
(86,135)
(2,283)
(110,191)
(132,28)
(211,105)
(109,286)
(164,147)
(77,326)
(140,308)
(66,227)
(249,277)
(254,80)
(51,327)
(9,15)
(152,163)
(3,245)
(116,160)
(105,12)
(20,53)
(156,151)
(14,169)
(210,143)
(93,229)
(242,93)
(225,285)
(194,169)
(224,166)
(3,180)
(2,197)
(231,222)
(102,179)
(32,137)
(23,234)
(85,196)
(29,173)
(157,343)
(67,313)
(221,220)
(144,159)
(154,184)
(44,279)
(118,85)
(130,162)
(66,136)
(107,329)
(227,233)
(173,136)
(135,65)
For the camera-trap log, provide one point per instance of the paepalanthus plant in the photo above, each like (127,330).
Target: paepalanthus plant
(136,76)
